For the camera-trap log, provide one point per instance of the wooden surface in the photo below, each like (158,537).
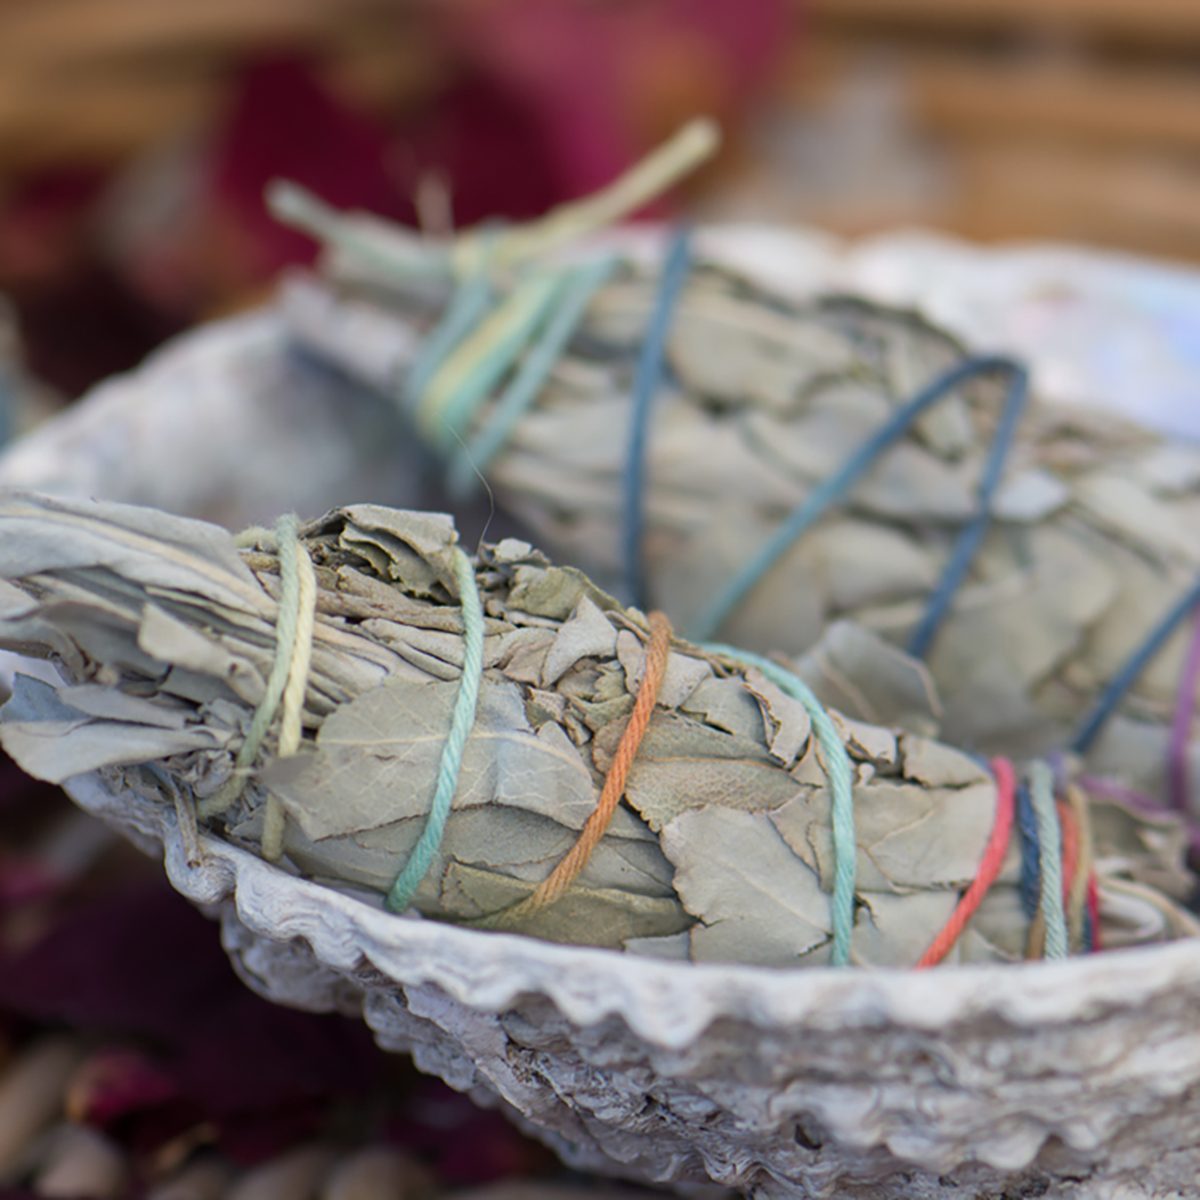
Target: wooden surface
(99,80)
(1140,20)
(1074,119)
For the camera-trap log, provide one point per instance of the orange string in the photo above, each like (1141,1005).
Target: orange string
(1070,847)
(658,650)
(989,866)
(1077,897)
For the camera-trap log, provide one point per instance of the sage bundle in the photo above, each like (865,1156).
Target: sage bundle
(761,468)
(500,743)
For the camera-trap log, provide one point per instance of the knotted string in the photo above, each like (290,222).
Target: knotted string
(286,681)
(461,720)
(646,384)
(553,887)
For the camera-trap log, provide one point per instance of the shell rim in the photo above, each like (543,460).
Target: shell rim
(669,1003)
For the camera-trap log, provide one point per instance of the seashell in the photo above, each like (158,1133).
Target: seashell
(1081,1078)
(1078,1079)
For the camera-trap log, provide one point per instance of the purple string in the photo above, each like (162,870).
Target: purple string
(1181,726)
(1109,789)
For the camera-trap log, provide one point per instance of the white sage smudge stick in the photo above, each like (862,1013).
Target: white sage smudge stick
(164,633)
(1093,527)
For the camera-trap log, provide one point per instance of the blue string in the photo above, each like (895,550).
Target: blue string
(971,538)
(1031,852)
(647,380)
(830,491)
(461,721)
(471,460)
(840,773)
(1089,729)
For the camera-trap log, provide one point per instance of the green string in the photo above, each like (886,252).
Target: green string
(1041,790)
(444,424)
(287,535)
(580,287)
(468,306)
(461,721)
(839,772)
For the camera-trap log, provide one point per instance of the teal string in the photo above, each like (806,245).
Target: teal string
(468,306)
(840,773)
(461,407)
(461,720)
(1091,726)
(581,286)
(647,381)
(1041,789)
(832,490)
